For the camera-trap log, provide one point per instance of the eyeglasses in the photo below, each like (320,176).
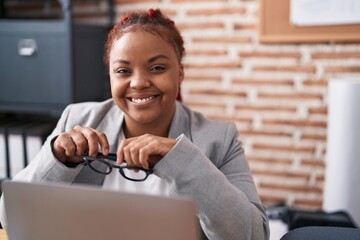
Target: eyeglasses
(104,164)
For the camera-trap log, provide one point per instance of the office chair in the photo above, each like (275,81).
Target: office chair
(323,233)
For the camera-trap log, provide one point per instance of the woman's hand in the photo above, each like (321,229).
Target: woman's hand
(144,151)
(70,145)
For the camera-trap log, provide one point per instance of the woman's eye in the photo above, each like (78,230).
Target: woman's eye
(157,68)
(122,71)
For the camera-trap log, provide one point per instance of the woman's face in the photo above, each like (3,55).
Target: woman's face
(145,76)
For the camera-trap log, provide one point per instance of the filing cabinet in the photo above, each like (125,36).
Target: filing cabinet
(46,64)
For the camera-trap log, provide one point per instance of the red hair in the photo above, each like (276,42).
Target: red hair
(151,21)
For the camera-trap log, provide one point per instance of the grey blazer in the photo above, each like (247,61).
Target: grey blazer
(207,164)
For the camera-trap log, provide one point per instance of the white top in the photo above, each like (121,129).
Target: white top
(153,185)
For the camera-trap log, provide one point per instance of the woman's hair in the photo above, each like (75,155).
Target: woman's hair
(152,21)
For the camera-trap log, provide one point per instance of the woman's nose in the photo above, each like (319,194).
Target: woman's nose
(140,81)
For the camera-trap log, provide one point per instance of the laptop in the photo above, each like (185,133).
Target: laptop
(75,212)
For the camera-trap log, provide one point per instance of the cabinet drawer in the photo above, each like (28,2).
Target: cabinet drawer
(35,68)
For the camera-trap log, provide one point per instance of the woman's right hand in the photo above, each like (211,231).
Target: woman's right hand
(72,144)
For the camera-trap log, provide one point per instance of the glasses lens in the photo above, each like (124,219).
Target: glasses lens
(99,165)
(134,174)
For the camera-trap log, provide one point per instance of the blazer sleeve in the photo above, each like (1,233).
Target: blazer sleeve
(223,189)
(44,167)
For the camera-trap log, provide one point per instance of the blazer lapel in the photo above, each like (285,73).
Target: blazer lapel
(111,126)
(180,123)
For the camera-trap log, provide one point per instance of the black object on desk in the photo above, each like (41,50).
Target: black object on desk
(297,218)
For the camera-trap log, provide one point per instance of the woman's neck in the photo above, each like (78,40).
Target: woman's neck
(138,130)
(134,129)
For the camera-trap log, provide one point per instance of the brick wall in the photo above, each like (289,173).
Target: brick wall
(275,93)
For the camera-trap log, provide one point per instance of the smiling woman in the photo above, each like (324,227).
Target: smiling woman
(182,153)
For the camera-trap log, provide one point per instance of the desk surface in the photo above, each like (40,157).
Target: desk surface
(3,235)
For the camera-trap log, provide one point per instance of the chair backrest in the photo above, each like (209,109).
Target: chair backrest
(305,218)
(323,233)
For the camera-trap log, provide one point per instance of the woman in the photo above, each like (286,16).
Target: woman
(147,128)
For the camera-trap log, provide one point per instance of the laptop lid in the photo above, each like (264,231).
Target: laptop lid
(63,212)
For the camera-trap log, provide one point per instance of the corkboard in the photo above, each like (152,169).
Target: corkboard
(275,27)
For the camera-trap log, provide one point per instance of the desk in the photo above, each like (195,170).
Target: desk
(3,235)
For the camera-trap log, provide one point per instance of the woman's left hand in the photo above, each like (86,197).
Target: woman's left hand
(144,151)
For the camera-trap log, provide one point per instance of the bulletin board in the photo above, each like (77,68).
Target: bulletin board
(275,27)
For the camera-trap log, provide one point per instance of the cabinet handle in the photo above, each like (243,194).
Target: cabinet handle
(27,47)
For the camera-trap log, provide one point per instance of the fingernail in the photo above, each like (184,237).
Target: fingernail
(106,150)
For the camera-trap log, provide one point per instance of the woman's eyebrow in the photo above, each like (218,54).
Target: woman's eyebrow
(121,61)
(160,56)
(152,59)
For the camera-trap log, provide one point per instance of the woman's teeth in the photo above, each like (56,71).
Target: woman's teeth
(142,100)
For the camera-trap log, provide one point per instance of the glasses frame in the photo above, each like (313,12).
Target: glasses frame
(111,157)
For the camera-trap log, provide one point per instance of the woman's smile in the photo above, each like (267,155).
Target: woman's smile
(144,101)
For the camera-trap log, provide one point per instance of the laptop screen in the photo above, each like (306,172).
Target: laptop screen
(53,211)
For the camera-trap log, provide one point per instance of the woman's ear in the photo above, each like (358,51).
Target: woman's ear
(181,73)
(181,78)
